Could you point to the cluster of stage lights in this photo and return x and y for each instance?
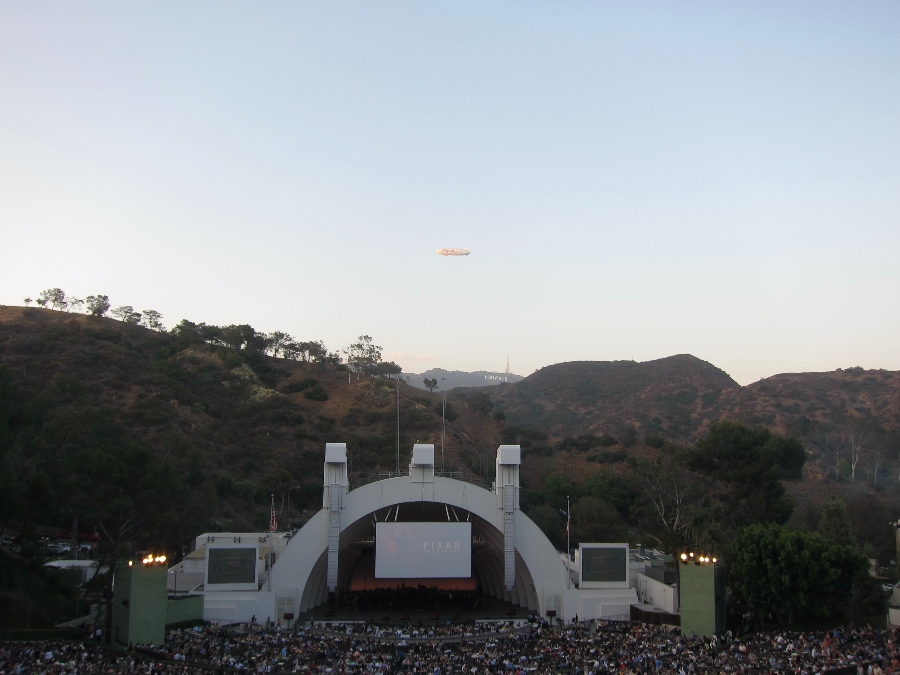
(697, 560)
(151, 560)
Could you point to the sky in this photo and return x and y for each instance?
(634, 180)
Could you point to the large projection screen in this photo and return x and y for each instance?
(423, 550)
(604, 565)
(231, 568)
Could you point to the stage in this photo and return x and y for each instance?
(427, 606)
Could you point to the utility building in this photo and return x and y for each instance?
(139, 601)
(701, 591)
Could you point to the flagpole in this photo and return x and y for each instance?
(568, 545)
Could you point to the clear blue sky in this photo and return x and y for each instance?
(634, 180)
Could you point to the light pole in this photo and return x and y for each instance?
(398, 426)
(443, 424)
(568, 544)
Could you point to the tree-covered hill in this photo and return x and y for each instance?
(229, 427)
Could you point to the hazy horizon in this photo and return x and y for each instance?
(633, 181)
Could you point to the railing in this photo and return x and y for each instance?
(358, 481)
(466, 477)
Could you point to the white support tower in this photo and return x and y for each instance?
(334, 492)
(421, 473)
(509, 457)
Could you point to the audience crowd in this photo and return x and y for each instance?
(446, 631)
(589, 647)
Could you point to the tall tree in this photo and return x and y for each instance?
(878, 457)
(54, 297)
(277, 341)
(127, 314)
(752, 461)
(108, 480)
(792, 575)
(152, 319)
(10, 404)
(363, 356)
(431, 384)
(595, 520)
(291, 350)
(672, 497)
(388, 369)
(316, 351)
(97, 305)
(856, 440)
(834, 523)
(243, 337)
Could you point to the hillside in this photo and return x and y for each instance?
(236, 429)
(812, 404)
(256, 424)
(669, 396)
(677, 398)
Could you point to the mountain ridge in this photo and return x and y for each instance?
(679, 397)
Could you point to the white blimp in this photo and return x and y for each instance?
(453, 251)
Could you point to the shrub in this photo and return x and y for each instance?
(581, 443)
(247, 490)
(296, 387)
(325, 424)
(316, 394)
(612, 456)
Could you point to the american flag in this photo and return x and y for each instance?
(273, 519)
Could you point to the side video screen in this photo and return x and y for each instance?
(423, 550)
(231, 566)
(604, 564)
